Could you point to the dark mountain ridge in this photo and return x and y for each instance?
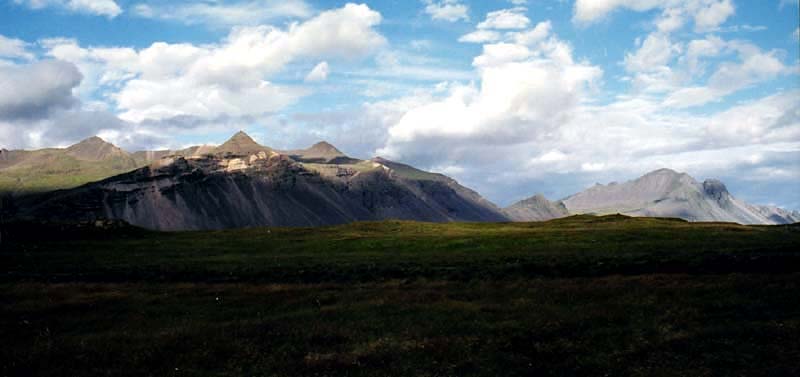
(242, 184)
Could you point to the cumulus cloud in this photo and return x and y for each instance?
(513, 18)
(34, 91)
(524, 90)
(225, 14)
(168, 80)
(108, 8)
(38, 107)
(318, 73)
(447, 10)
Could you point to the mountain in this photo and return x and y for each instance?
(94, 149)
(55, 168)
(243, 184)
(535, 208)
(24, 172)
(322, 152)
(666, 193)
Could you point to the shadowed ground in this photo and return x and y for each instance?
(576, 296)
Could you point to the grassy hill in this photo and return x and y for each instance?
(52, 170)
(577, 296)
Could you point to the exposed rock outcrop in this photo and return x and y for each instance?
(244, 184)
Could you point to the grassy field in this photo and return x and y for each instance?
(578, 296)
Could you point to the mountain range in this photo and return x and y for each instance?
(243, 184)
(661, 193)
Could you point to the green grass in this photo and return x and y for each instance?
(577, 296)
(49, 170)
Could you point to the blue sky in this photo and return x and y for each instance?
(509, 97)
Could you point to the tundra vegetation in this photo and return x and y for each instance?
(582, 295)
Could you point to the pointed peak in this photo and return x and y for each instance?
(94, 140)
(241, 135)
(94, 149)
(323, 144)
(325, 148)
(241, 144)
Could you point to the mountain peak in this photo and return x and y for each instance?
(663, 171)
(535, 208)
(94, 149)
(240, 143)
(664, 175)
(323, 148)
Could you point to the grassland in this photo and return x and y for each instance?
(52, 169)
(577, 296)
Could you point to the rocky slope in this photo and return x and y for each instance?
(244, 184)
(535, 208)
(666, 193)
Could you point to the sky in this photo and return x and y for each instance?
(511, 98)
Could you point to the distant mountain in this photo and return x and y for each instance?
(94, 149)
(321, 152)
(53, 168)
(92, 159)
(241, 144)
(536, 208)
(666, 193)
(242, 184)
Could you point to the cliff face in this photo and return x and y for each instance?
(250, 186)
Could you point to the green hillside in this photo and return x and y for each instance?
(48, 170)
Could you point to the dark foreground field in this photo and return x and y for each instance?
(578, 296)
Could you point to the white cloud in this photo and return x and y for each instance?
(319, 73)
(708, 15)
(480, 36)
(252, 12)
(525, 93)
(592, 10)
(655, 51)
(513, 18)
(532, 123)
(772, 119)
(14, 48)
(229, 78)
(108, 8)
(447, 10)
(699, 48)
(712, 14)
(754, 66)
(535, 35)
(796, 34)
